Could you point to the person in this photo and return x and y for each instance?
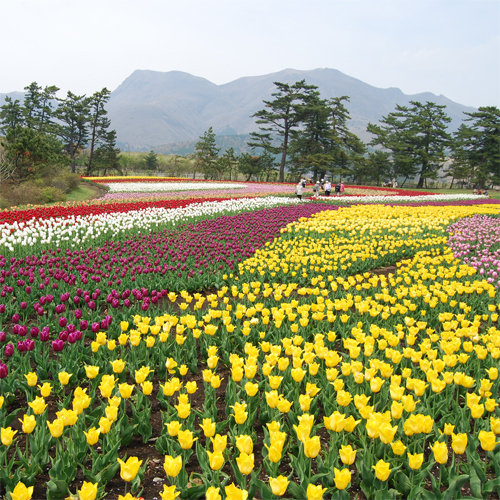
(337, 189)
(486, 192)
(316, 189)
(395, 185)
(328, 188)
(299, 190)
(304, 182)
(479, 191)
(342, 187)
(475, 191)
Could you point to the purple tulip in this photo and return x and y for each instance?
(34, 332)
(78, 334)
(2, 308)
(95, 327)
(15, 318)
(29, 344)
(57, 345)
(91, 304)
(28, 289)
(3, 336)
(4, 371)
(9, 350)
(84, 324)
(60, 308)
(72, 338)
(45, 334)
(63, 335)
(71, 328)
(21, 346)
(22, 331)
(78, 313)
(76, 300)
(62, 322)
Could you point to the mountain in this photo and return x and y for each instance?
(151, 109)
(169, 111)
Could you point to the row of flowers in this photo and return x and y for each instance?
(352, 375)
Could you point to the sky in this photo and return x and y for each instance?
(449, 47)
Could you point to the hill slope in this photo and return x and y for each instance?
(151, 109)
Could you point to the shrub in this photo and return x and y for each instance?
(52, 194)
(21, 194)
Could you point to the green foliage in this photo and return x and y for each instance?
(280, 117)
(476, 148)
(416, 137)
(207, 155)
(45, 131)
(151, 161)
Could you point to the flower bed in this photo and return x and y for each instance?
(328, 353)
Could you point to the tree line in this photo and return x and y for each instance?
(46, 132)
(300, 134)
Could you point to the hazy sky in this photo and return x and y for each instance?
(449, 47)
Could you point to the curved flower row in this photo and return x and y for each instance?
(76, 230)
(351, 374)
(138, 187)
(57, 211)
(427, 198)
(476, 241)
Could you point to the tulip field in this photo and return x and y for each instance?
(253, 345)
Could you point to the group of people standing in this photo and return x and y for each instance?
(326, 186)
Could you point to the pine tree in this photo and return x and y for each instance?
(207, 155)
(281, 115)
(416, 137)
(73, 116)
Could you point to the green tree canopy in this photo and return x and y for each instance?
(279, 118)
(417, 138)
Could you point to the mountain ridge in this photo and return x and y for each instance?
(152, 108)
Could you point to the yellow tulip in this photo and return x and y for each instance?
(172, 465)
(342, 478)
(92, 436)
(219, 442)
(274, 452)
(173, 428)
(147, 387)
(251, 389)
(487, 440)
(312, 446)
(186, 439)
(130, 468)
(38, 405)
(315, 492)
(208, 427)
(440, 451)
(245, 463)
(104, 425)
(347, 455)
(416, 460)
(64, 377)
(88, 491)
(213, 494)
(21, 492)
(191, 387)
(31, 378)
(244, 444)
(92, 371)
(118, 365)
(216, 460)
(169, 492)
(234, 493)
(382, 470)
(56, 427)
(398, 448)
(125, 390)
(459, 443)
(278, 485)
(28, 422)
(7, 435)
